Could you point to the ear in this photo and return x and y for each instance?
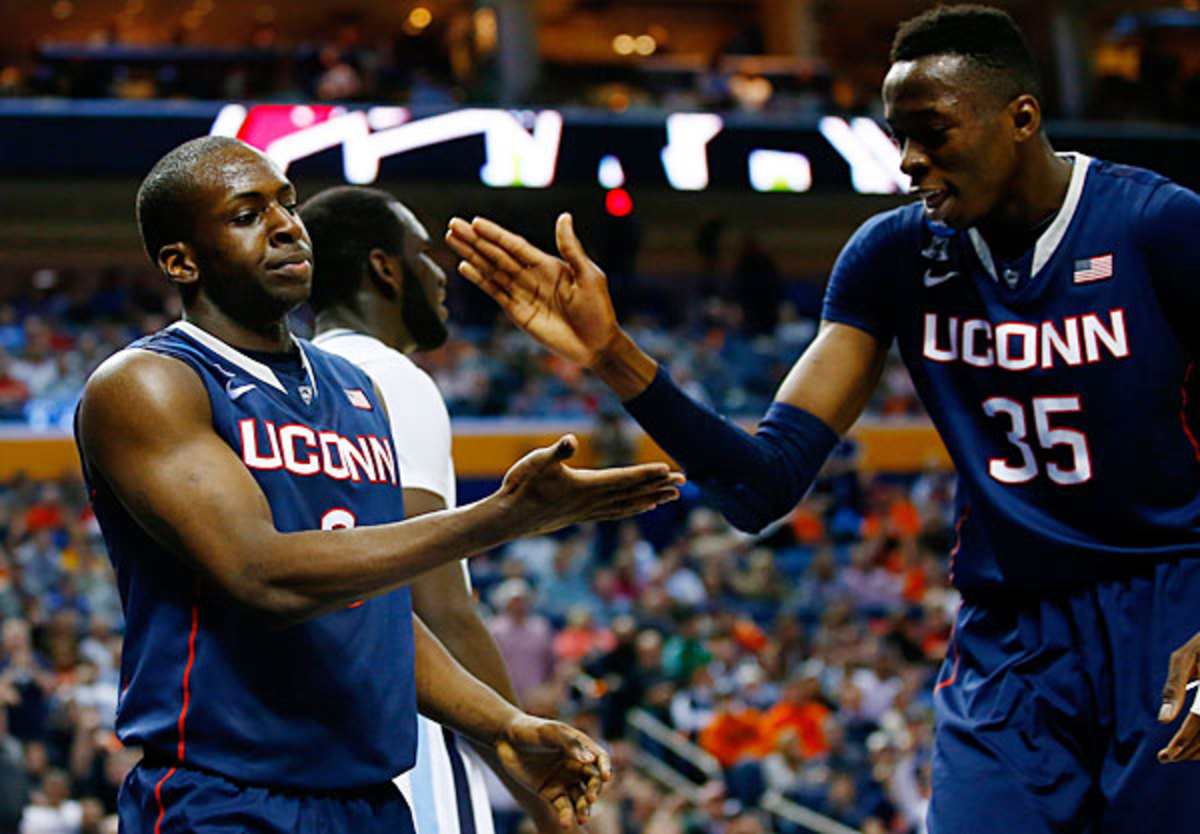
(1026, 116)
(178, 262)
(386, 272)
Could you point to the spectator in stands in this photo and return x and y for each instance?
(566, 586)
(735, 730)
(14, 392)
(14, 783)
(524, 637)
(579, 638)
(52, 810)
(800, 711)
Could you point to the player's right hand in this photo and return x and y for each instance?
(542, 494)
(562, 302)
(559, 764)
(1184, 667)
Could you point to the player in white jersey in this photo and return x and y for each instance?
(378, 295)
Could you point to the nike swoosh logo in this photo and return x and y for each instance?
(234, 393)
(934, 280)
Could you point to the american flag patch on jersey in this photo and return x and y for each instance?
(1093, 269)
(357, 398)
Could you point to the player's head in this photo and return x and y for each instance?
(219, 219)
(371, 251)
(963, 99)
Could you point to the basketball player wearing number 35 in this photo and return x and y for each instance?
(1045, 306)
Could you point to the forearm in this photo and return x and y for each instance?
(752, 479)
(300, 575)
(465, 636)
(450, 695)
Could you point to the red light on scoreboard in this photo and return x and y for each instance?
(618, 203)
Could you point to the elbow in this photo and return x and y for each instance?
(749, 510)
(271, 604)
(748, 521)
(254, 586)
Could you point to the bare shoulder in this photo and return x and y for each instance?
(136, 394)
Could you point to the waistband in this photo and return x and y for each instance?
(383, 791)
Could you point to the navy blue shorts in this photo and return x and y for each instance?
(173, 800)
(1047, 712)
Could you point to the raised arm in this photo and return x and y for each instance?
(146, 435)
(550, 759)
(563, 303)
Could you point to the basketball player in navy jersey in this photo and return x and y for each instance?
(377, 294)
(248, 491)
(1044, 306)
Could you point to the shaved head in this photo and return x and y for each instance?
(166, 197)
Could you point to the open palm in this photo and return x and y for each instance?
(562, 302)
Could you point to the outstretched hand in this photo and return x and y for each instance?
(562, 302)
(1184, 667)
(544, 494)
(558, 763)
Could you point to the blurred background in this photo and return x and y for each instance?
(716, 154)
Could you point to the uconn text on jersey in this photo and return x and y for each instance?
(1023, 346)
(302, 450)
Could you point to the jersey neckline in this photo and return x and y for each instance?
(258, 370)
(1049, 240)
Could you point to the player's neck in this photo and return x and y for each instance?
(272, 336)
(373, 320)
(1036, 198)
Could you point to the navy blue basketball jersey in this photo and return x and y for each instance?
(326, 704)
(1061, 382)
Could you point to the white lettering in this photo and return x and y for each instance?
(979, 360)
(1053, 343)
(1094, 333)
(356, 456)
(932, 351)
(1028, 334)
(385, 460)
(288, 435)
(1023, 346)
(250, 445)
(332, 440)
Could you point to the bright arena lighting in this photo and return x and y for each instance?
(624, 44)
(779, 171)
(685, 158)
(610, 174)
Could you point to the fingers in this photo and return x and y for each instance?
(1182, 668)
(568, 244)
(566, 447)
(500, 292)
(563, 449)
(565, 810)
(503, 259)
(612, 511)
(475, 265)
(1185, 745)
(512, 244)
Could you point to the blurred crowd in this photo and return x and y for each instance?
(60, 648)
(802, 661)
(55, 328)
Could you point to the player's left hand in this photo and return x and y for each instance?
(558, 763)
(1184, 667)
